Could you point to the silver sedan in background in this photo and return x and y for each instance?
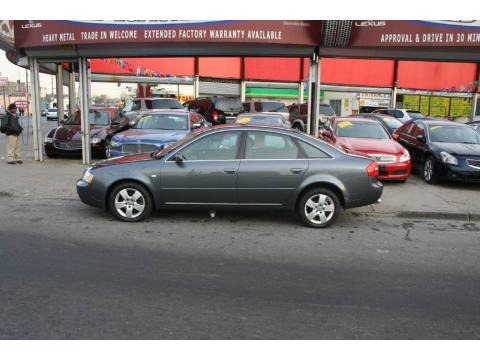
(234, 167)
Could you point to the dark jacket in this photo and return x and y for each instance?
(13, 126)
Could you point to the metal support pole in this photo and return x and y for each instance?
(60, 103)
(301, 90)
(316, 104)
(196, 86)
(36, 113)
(474, 106)
(311, 78)
(83, 95)
(27, 91)
(72, 99)
(243, 90)
(393, 100)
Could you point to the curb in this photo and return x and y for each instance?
(468, 217)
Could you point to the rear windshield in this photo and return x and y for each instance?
(229, 105)
(368, 130)
(163, 104)
(326, 110)
(272, 106)
(260, 120)
(414, 114)
(99, 117)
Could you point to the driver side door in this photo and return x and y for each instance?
(207, 173)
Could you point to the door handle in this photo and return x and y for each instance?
(229, 171)
(296, 170)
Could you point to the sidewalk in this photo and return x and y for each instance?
(56, 178)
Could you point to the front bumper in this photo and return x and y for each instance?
(394, 171)
(88, 195)
(465, 174)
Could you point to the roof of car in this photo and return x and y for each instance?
(156, 111)
(438, 122)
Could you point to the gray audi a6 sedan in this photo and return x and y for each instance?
(236, 166)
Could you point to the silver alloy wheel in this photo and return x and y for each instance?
(319, 208)
(129, 203)
(428, 170)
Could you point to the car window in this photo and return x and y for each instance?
(357, 129)
(229, 105)
(311, 151)
(135, 105)
(163, 122)
(327, 110)
(163, 104)
(271, 106)
(259, 120)
(407, 129)
(219, 146)
(391, 122)
(263, 145)
(453, 134)
(99, 117)
(418, 130)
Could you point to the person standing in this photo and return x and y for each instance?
(13, 131)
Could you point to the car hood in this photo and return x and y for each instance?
(124, 160)
(371, 146)
(157, 136)
(72, 132)
(458, 148)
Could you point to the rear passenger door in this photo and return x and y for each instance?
(271, 170)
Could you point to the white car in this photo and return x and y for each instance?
(52, 114)
(401, 114)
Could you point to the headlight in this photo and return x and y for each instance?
(48, 139)
(115, 144)
(405, 156)
(87, 176)
(448, 158)
(95, 140)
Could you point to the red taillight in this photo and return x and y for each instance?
(215, 115)
(372, 169)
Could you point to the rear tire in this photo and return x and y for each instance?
(319, 207)
(130, 202)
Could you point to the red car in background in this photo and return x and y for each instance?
(371, 138)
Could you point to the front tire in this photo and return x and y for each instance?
(319, 207)
(429, 171)
(130, 202)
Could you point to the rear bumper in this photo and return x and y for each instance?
(372, 195)
(395, 171)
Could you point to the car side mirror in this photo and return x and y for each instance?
(131, 123)
(395, 137)
(326, 133)
(196, 126)
(178, 158)
(421, 138)
(62, 121)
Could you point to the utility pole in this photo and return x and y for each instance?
(27, 92)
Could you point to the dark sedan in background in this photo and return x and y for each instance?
(236, 166)
(442, 149)
(66, 139)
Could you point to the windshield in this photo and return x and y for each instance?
(453, 134)
(391, 122)
(260, 120)
(361, 130)
(95, 117)
(163, 104)
(273, 106)
(326, 110)
(415, 114)
(163, 122)
(229, 105)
